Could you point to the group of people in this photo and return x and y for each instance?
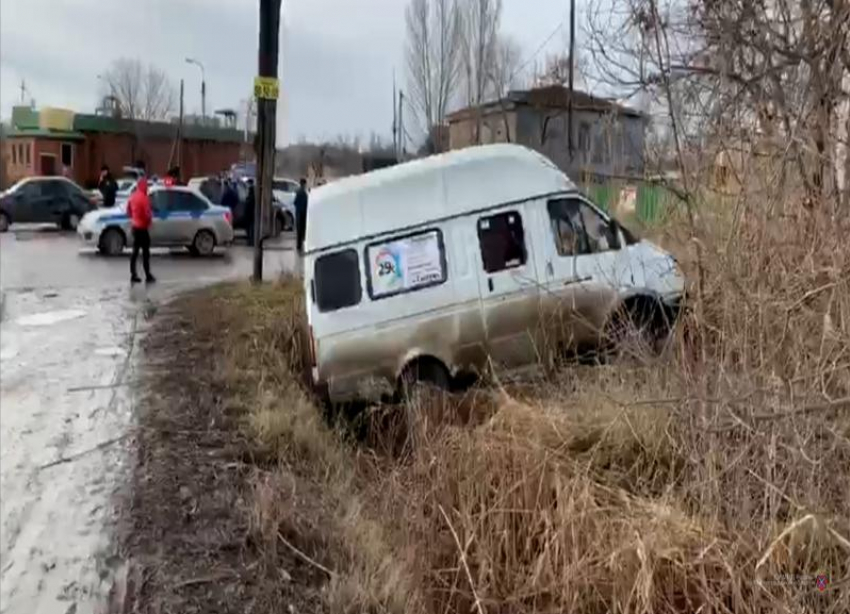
(230, 199)
(141, 214)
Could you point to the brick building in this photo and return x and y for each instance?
(61, 142)
(608, 138)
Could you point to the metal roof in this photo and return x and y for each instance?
(437, 187)
(59, 135)
(554, 96)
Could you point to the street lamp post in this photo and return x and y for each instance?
(112, 97)
(203, 87)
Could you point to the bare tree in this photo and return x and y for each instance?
(504, 75)
(481, 20)
(433, 54)
(556, 70)
(776, 71)
(504, 72)
(142, 92)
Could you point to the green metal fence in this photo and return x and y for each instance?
(653, 202)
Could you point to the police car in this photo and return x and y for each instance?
(182, 217)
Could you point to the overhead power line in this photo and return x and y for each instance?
(540, 48)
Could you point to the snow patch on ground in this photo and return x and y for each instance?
(48, 318)
(63, 455)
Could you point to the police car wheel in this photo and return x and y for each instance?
(204, 243)
(111, 242)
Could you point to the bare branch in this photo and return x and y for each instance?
(142, 92)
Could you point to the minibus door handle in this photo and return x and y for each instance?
(490, 283)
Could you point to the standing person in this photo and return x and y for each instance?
(141, 216)
(250, 204)
(172, 177)
(107, 186)
(230, 197)
(301, 215)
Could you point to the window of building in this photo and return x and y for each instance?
(502, 241)
(67, 154)
(14, 153)
(584, 137)
(29, 153)
(406, 264)
(337, 281)
(600, 148)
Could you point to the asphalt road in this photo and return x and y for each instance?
(69, 334)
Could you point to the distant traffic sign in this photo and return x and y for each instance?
(266, 88)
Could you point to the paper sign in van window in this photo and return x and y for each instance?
(406, 264)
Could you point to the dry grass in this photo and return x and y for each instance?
(714, 480)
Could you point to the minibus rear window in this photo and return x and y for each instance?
(337, 278)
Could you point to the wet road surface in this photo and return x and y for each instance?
(70, 328)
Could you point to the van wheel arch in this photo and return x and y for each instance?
(423, 369)
(644, 314)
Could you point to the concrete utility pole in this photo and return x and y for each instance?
(395, 121)
(572, 70)
(203, 88)
(266, 91)
(401, 142)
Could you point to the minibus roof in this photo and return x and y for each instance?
(433, 188)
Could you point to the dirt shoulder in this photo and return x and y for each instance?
(191, 536)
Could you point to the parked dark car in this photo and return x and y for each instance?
(45, 200)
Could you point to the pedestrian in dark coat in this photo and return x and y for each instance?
(230, 197)
(107, 186)
(250, 204)
(301, 199)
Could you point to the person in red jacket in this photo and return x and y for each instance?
(141, 217)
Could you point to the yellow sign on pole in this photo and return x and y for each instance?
(266, 88)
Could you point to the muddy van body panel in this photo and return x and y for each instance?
(366, 363)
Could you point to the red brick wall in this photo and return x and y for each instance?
(119, 150)
(16, 165)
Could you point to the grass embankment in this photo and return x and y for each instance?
(714, 480)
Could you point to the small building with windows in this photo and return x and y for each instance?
(53, 141)
(608, 138)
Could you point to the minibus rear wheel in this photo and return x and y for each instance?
(425, 372)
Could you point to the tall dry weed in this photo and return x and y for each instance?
(715, 480)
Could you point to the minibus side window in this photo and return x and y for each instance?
(578, 229)
(568, 227)
(337, 279)
(502, 241)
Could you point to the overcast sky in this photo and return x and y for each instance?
(336, 70)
